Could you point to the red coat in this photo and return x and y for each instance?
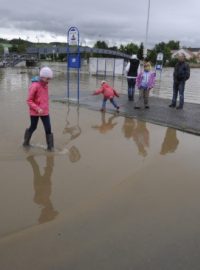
(107, 91)
(38, 98)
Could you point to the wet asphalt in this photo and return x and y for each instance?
(186, 119)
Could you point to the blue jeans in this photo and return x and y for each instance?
(45, 120)
(131, 87)
(178, 88)
(111, 101)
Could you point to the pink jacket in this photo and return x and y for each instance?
(151, 80)
(38, 98)
(107, 91)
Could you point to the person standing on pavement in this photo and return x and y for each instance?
(145, 81)
(181, 75)
(132, 70)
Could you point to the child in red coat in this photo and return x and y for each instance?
(108, 93)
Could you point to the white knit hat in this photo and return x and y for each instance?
(46, 72)
(134, 56)
(102, 82)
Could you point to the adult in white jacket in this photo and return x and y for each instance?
(132, 70)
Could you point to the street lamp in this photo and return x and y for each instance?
(147, 31)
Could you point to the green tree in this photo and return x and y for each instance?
(113, 48)
(140, 51)
(21, 48)
(152, 54)
(161, 47)
(172, 62)
(130, 48)
(173, 45)
(122, 48)
(1, 49)
(101, 45)
(14, 49)
(2, 40)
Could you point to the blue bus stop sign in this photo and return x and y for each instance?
(74, 61)
(158, 67)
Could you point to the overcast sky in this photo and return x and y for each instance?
(116, 22)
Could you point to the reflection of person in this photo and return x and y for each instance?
(128, 127)
(141, 137)
(145, 82)
(132, 70)
(170, 142)
(42, 188)
(108, 94)
(105, 125)
(73, 131)
(38, 102)
(181, 75)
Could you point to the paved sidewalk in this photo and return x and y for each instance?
(187, 120)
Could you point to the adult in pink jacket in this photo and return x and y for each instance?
(38, 102)
(108, 93)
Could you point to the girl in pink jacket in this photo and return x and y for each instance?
(38, 102)
(108, 93)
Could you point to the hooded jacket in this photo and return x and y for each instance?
(38, 98)
(107, 91)
(150, 82)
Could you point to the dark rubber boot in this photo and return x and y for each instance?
(50, 142)
(131, 98)
(27, 137)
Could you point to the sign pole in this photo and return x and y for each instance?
(147, 31)
(73, 57)
(78, 78)
(68, 79)
(159, 62)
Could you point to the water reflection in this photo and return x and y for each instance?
(43, 188)
(128, 127)
(73, 131)
(138, 131)
(170, 142)
(106, 124)
(141, 138)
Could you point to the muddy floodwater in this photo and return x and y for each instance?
(116, 194)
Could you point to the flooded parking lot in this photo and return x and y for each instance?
(117, 193)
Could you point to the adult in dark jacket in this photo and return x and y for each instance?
(181, 75)
(132, 70)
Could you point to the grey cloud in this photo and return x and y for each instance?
(106, 20)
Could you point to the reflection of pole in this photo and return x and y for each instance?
(53, 55)
(147, 31)
(114, 67)
(78, 79)
(68, 73)
(68, 65)
(74, 61)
